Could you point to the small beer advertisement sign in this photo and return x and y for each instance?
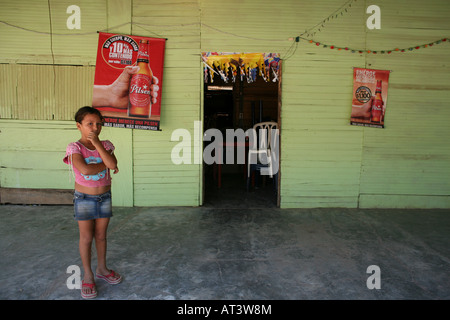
(370, 88)
(128, 80)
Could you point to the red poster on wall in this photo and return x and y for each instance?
(370, 89)
(128, 80)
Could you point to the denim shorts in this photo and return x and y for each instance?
(89, 207)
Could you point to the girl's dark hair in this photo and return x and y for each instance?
(82, 112)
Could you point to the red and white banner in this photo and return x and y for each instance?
(370, 89)
(129, 66)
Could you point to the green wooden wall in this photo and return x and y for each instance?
(47, 72)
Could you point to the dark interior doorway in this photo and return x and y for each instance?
(235, 105)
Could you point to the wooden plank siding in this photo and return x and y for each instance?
(408, 163)
(157, 180)
(47, 73)
(44, 92)
(31, 154)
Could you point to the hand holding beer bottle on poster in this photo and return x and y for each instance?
(127, 81)
(369, 97)
(116, 95)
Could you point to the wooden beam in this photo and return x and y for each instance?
(35, 196)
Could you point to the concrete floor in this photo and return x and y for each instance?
(187, 253)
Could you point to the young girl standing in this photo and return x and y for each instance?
(91, 161)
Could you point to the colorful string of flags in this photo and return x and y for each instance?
(311, 32)
(321, 25)
(417, 47)
(229, 65)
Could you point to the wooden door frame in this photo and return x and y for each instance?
(280, 64)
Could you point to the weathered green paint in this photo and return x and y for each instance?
(325, 162)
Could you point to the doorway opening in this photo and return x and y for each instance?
(239, 101)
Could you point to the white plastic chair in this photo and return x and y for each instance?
(263, 145)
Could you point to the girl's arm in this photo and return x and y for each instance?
(84, 168)
(109, 159)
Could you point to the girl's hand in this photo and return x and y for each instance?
(93, 138)
(115, 170)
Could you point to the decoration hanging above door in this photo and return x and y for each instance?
(228, 66)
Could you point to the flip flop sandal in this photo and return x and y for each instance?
(91, 286)
(111, 278)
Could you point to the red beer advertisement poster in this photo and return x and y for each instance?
(128, 80)
(370, 89)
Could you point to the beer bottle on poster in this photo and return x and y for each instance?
(139, 101)
(377, 104)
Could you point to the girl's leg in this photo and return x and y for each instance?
(86, 235)
(101, 227)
